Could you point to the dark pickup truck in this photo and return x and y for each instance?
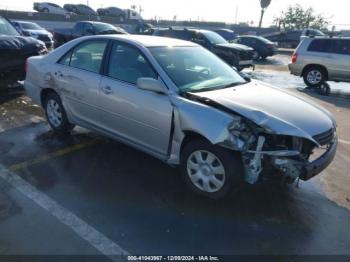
(84, 28)
(14, 50)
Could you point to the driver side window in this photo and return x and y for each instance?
(128, 64)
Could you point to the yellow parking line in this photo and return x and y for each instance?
(51, 155)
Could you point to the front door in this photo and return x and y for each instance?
(139, 116)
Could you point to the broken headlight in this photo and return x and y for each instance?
(240, 135)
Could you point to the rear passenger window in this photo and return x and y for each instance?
(88, 56)
(320, 45)
(342, 47)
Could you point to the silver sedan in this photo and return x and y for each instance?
(180, 103)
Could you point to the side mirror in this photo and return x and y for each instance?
(150, 84)
(245, 76)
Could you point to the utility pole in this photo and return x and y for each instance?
(236, 16)
(264, 4)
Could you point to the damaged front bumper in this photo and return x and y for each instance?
(317, 166)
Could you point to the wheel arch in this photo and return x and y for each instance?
(44, 93)
(189, 136)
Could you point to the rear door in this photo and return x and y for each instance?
(77, 76)
(319, 52)
(341, 57)
(138, 116)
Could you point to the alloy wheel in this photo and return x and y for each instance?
(314, 77)
(206, 171)
(54, 113)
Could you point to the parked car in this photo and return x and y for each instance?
(237, 55)
(35, 31)
(263, 47)
(228, 34)
(83, 28)
(178, 102)
(122, 14)
(46, 7)
(14, 50)
(322, 59)
(288, 39)
(310, 32)
(113, 12)
(80, 9)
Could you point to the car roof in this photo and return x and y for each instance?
(149, 41)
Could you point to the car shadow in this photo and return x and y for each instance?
(336, 101)
(124, 192)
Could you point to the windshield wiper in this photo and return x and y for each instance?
(189, 90)
(233, 85)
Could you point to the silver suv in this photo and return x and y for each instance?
(319, 60)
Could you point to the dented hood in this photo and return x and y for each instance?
(273, 109)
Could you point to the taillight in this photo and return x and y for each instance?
(26, 66)
(294, 58)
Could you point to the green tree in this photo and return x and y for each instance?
(263, 4)
(296, 17)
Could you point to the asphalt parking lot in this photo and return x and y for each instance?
(96, 196)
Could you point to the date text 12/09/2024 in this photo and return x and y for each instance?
(173, 258)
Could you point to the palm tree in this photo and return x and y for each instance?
(264, 4)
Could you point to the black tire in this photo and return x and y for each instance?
(319, 73)
(324, 89)
(64, 127)
(256, 55)
(231, 162)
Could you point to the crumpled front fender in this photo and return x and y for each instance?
(199, 118)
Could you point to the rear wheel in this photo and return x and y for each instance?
(314, 76)
(256, 55)
(210, 170)
(56, 115)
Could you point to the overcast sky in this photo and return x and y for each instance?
(208, 10)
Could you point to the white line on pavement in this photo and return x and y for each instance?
(103, 244)
(344, 141)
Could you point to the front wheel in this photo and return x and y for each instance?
(56, 115)
(210, 170)
(256, 55)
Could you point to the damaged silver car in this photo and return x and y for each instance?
(180, 103)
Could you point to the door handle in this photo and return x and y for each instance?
(107, 90)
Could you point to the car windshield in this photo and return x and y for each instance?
(6, 28)
(195, 69)
(104, 28)
(31, 26)
(54, 5)
(318, 32)
(214, 38)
